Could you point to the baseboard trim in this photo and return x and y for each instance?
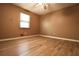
(19, 37)
(67, 39)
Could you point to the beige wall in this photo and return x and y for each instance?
(0, 20)
(63, 23)
(9, 22)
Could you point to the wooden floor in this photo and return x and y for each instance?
(39, 46)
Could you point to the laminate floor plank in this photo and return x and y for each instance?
(39, 46)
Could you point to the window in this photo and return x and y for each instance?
(24, 20)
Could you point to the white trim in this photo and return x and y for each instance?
(74, 40)
(19, 37)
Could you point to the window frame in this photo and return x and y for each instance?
(25, 21)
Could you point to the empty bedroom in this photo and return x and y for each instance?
(39, 29)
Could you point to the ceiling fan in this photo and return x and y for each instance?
(44, 5)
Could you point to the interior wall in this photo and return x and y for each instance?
(0, 21)
(63, 23)
(9, 22)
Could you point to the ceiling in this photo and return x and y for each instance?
(39, 9)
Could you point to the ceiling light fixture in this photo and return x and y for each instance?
(44, 5)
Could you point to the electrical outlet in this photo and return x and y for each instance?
(21, 34)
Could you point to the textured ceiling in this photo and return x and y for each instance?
(38, 9)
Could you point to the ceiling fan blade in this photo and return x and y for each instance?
(36, 5)
(42, 5)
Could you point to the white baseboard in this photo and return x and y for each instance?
(74, 40)
(19, 37)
